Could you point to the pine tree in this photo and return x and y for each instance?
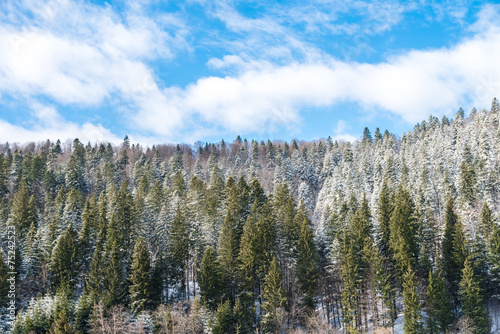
(82, 314)
(209, 280)
(64, 261)
(306, 267)
(62, 325)
(75, 169)
(274, 297)
(4, 284)
(411, 300)
(403, 231)
(114, 285)
(223, 323)
(473, 304)
(179, 245)
(439, 311)
(452, 250)
(140, 278)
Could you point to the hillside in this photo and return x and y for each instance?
(235, 236)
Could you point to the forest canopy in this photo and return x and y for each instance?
(282, 237)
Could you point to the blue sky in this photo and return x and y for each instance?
(183, 71)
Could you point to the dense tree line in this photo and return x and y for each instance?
(275, 236)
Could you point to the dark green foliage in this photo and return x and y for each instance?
(64, 261)
(403, 232)
(439, 308)
(223, 323)
(209, 280)
(472, 299)
(75, 170)
(108, 226)
(114, 283)
(452, 250)
(274, 297)
(62, 325)
(82, 314)
(140, 278)
(411, 300)
(307, 260)
(179, 245)
(24, 211)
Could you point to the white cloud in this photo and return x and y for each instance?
(83, 54)
(52, 126)
(412, 85)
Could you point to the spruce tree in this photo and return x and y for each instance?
(64, 260)
(472, 300)
(62, 325)
(223, 323)
(411, 300)
(452, 250)
(23, 212)
(403, 231)
(274, 297)
(306, 267)
(209, 279)
(75, 169)
(179, 246)
(227, 259)
(4, 284)
(439, 310)
(114, 285)
(493, 257)
(82, 314)
(140, 278)
(385, 208)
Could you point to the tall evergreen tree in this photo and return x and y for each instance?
(306, 267)
(473, 304)
(64, 261)
(274, 296)
(209, 279)
(439, 311)
(452, 250)
(140, 278)
(411, 300)
(114, 285)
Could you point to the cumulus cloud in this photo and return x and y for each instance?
(411, 85)
(50, 125)
(86, 55)
(81, 54)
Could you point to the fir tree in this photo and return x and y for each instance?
(473, 304)
(82, 313)
(452, 248)
(209, 280)
(114, 285)
(62, 325)
(439, 309)
(64, 261)
(403, 231)
(411, 300)
(223, 323)
(140, 278)
(306, 268)
(274, 297)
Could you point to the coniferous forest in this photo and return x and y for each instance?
(383, 234)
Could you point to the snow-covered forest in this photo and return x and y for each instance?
(382, 234)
